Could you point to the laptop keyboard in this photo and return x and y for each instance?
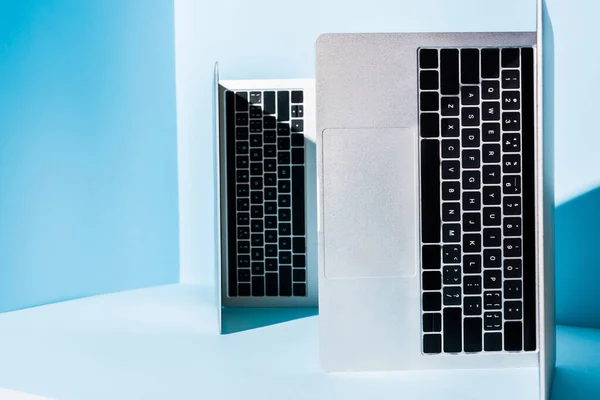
(477, 179)
(265, 193)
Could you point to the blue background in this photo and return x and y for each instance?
(88, 151)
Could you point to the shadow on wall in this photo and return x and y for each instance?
(577, 226)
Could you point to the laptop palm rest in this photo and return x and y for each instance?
(369, 202)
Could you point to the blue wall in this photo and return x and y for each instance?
(88, 152)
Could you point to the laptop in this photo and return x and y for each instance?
(266, 194)
(435, 241)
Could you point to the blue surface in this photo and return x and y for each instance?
(88, 156)
(162, 343)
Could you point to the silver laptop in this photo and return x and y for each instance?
(266, 193)
(435, 240)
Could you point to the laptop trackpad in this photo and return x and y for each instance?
(369, 202)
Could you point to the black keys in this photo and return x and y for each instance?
(450, 106)
(511, 163)
(510, 58)
(472, 305)
(491, 195)
(513, 310)
(451, 254)
(451, 233)
(491, 173)
(513, 289)
(472, 243)
(430, 191)
(492, 279)
(511, 142)
(492, 342)
(244, 275)
(241, 101)
(492, 321)
(490, 111)
(299, 261)
(430, 101)
(297, 96)
(269, 123)
(452, 276)
(469, 63)
(432, 301)
(492, 300)
(431, 280)
(470, 137)
(297, 111)
(285, 280)
(490, 90)
(299, 274)
(471, 222)
(492, 237)
(297, 125)
(510, 79)
(451, 296)
(451, 169)
(269, 102)
(492, 258)
(271, 284)
(432, 322)
(471, 180)
(428, 58)
(513, 336)
(491, 154)
(482, 102)
(243, 232)
(241, 119)
(450, 190)
(430, 125)
(471, 201)
(490, 63)
(298, 217)
(299, 245)
(452, 319)
(255, 112)
(512, 226)
(470, 116)
(451, 127)
(513, 268)
(449, 71)
(511, 184)
(469, 95)
(255, 97)
(471, 159)
(299, 289)
(297, 139)
(511, 100)
(450, 148)
(472, 334)
(472, 284)
(429, 80)
(451, 212)
(283, 105)
(511, 205)
(431, 257)
(472, 263)
(490, 132)
(432, 343)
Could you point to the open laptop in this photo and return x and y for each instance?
(266, 193)
(435, 241)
